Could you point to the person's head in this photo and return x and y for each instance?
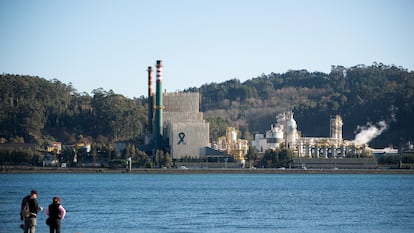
(56, 200)
(33, 193)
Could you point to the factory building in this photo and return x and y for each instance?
(187, 133)
(230, 144)
(177, 125)
(285, 132)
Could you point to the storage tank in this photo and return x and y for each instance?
(278, 133)
(291, 129)
(274, 136)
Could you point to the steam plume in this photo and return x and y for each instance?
(369, 132)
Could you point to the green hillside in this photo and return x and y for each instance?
(33, 109)
(360, 94)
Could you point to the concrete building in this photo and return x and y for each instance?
(175, 124)
(185, 129)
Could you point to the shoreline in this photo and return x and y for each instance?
(45, 170)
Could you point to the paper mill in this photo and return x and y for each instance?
(175, 124)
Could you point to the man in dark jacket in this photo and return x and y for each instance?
(30, 220)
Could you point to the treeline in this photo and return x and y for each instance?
(36, 110)
(360, 94)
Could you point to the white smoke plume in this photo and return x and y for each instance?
(369, 132)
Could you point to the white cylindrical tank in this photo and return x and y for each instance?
(300, 149)
(333, 151)
(316, 151)
(277, 133)
(343, 151)
(325, 152)
(291, 134)
(308, 151)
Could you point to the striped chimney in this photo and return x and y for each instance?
(150, 101)
(158, 136)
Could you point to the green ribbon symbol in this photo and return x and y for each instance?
(181, 136)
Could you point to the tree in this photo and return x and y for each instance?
(251, 155)
(285, 158)
(130, 152)
(143, 160)
(163, 159)
(218, 127)
(116, 116)
(277, 158)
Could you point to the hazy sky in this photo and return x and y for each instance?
(110, 44)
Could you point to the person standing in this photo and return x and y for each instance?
(56, 213)
(28, 213)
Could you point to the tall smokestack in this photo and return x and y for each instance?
(158, 109)
(150, 101)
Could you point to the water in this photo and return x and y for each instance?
(215, 203)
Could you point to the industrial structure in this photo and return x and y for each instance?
(185, 130)
(158, 131)
(232, 145)
(285, 132)
(177, 125)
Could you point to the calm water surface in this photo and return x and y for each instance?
(215, 203)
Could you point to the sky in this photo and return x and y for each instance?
(109, 44)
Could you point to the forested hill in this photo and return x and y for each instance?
(361, 95)
(33, 109)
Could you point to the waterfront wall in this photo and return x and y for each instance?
(51, 170)
(331, 163)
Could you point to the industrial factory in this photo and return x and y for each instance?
(285, 132)
(177, 126)
(314, 152)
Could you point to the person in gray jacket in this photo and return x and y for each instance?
(28, 213)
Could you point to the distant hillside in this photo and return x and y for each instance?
(33, 109)
(361, 95)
